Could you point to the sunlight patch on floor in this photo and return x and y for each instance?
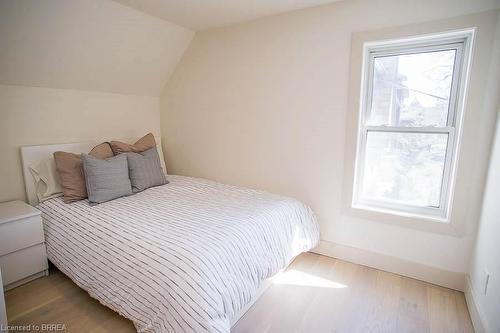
(298, 278)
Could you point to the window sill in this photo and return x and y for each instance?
(425, 223)
(398, 213)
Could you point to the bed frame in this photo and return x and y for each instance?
(33, 154)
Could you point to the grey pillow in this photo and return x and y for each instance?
(145, 170)
(106, 179)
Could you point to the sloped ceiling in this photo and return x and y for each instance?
(96, 45)
(205, 14)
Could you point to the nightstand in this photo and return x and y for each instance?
(22, 244)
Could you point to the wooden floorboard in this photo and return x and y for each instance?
(315, 294)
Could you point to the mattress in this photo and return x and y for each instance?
(182, 257)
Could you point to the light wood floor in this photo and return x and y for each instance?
(316, 294)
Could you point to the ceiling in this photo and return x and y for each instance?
(204, 14)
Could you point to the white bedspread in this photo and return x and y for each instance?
(183, 257)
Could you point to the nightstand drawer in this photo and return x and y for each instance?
(20, 234)
(23, 263)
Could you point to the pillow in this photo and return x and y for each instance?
(145, 170)
(46, 182)
(106, 179)
(70, 170)
(143, 144)
(102, 151)
(162, 161)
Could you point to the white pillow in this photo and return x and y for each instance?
(160, 153)
(46, 180)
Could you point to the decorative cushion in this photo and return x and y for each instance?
(102, 151)
(145, 170)
(143, 144)
(70, 171)
(106, 179)
(46, 180)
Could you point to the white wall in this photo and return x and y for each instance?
(96, 45)
(264, 104)
(31, 116)
(487, 249)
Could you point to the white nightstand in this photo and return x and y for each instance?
(22, 244)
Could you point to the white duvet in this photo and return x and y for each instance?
(182, 257)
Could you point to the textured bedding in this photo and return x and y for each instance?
(182, 257)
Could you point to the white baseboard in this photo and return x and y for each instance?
(434, 275)
(480, 325)
(26, 280)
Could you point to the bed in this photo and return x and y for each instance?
(189, 256)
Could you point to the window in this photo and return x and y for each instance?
(412, 98)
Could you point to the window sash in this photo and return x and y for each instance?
(438, 213)
(401, 50)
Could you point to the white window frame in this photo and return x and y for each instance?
(461, 41)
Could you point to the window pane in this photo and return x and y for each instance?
(412, 89)
(404, 167)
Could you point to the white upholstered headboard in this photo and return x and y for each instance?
(33, 154)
